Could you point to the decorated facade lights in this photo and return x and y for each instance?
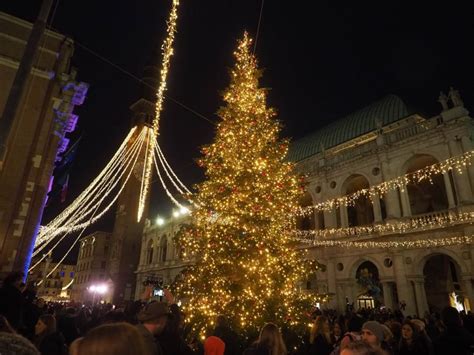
(369, 244)
(457, 163)
(421, 223)
(167, 49)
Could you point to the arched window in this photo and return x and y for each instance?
(361, 212)
(426, 196)
(149, 252)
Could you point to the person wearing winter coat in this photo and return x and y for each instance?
(47, 339)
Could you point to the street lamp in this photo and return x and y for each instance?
(160, 221)
(100, 289)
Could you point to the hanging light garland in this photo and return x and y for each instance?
(457, 163)
(417, 224)
(94, 195)
(367, 244)
(130, 165)
(177, 183)
(168, 193)
(167, 53)
(87, 192)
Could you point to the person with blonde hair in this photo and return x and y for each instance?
(270, 342)
(112, 338)
(320, 337)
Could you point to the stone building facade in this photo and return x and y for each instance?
(56, 287)
(378, 143)
(37, 137)
(161, 260)
(92, 268)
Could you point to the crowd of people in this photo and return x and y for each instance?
(29, 325)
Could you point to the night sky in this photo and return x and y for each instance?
(320, 64)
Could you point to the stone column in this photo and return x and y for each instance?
(449, 190)
(348, 293)
(331, 279)
(467, 285)
(387, 294)
(377, 208)
(344, 217)
(406, 209)
(330, 218)
(467, 147)
(403, 286)
(420, 295)
(340, 297)
(461, 180)
(392, 204)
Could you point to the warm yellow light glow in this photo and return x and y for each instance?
(457, 164)
(246, 265)
(415, 224)
(167, 53)
(419, 243)
(85, 210)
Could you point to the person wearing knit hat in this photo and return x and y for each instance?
(373, 334)
(214, 346)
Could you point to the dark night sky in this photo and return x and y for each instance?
(320, 63)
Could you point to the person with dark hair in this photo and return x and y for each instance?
(171, 338)
(67, 325)
(411, 342)
(337, 332)
(11, 299)
(455, 339)
(47, 339)
(354, 326)
(5, 326)
(112, 338)
(227, 335)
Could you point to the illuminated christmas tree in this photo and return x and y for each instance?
(246, 266)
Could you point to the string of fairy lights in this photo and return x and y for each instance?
(87, 196)
(84, 210)
(167, 53)
(418, 224)
(457, 164)
(411, 243)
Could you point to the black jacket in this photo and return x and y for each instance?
(230, 338)
(455, 341)
(53, 344)
(11, 305)
(320, 346)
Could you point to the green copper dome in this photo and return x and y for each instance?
(385, 111)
